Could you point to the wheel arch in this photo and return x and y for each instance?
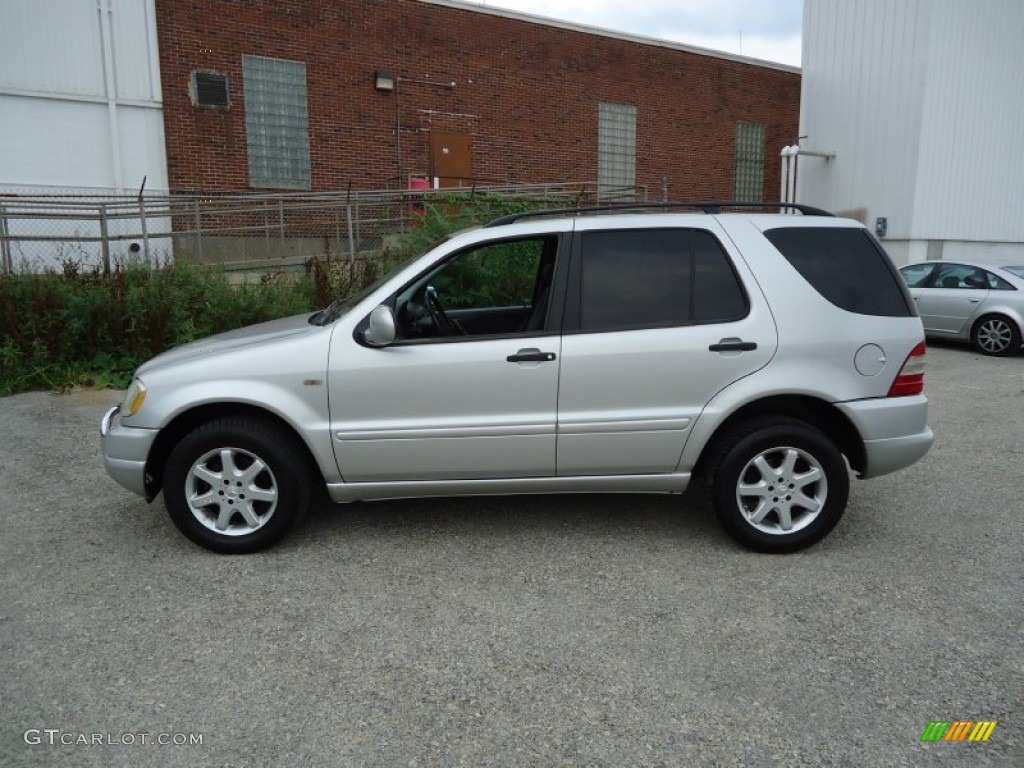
(811, 410)
(186, 421)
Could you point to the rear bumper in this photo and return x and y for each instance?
(125, 450)
(894, 429)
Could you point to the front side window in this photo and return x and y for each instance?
(655, 278)
(497, 288)
(960, 277)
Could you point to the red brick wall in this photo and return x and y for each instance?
(527, 93)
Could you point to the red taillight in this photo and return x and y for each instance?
(910, 379)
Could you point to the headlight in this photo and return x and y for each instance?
(133, 398)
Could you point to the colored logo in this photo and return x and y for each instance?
(958, 730)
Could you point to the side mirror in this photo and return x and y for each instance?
(381, 330)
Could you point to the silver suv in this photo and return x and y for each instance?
(571, 351)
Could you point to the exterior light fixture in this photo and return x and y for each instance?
(383, 81)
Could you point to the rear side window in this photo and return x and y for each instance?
(846, 267)
(656, 278)
(996, 283)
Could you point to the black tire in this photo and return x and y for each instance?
(771, 438)
(996, 335)
(286, 475)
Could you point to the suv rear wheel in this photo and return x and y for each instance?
(778, 484)
(237, 484)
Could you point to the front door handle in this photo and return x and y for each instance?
(733, 345)
(531, 355)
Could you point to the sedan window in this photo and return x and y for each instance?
(960, 276)
(917, 275)
(996, 283)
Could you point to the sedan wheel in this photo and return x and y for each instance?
(237, 484)
(996, 336)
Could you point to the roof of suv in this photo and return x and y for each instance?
(711, 207)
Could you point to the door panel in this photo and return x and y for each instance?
(948, 310)
(433, 411)
(953, 298)
(627, 398)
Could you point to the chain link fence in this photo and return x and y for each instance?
(247, 232)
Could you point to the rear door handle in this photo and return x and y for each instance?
(531, 355)
(733, 345)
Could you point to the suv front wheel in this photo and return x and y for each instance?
(778, 484)
(237, 484)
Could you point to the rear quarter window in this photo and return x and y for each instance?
(846, 267)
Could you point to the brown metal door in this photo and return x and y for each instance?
(451, 158)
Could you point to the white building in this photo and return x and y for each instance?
(922, 104)
(80, 107)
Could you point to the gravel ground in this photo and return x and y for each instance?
(597, 631)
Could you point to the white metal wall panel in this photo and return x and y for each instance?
(51, 46)
(63, 129)
(143, 151)
(970, 179)
(66, 145)
(922, 101)
(135, 52)
(863, 70)
(48, 142)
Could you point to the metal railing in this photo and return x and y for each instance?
(251, 231)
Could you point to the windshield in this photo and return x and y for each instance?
(1018, 271)
(341, 305)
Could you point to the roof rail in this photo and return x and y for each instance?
(705, 206)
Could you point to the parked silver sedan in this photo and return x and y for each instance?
(967, 301)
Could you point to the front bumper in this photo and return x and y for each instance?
(894, 429)
(125, 450)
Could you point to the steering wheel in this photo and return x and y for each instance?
(445, 326)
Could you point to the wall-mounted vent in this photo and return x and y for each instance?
(209, 89)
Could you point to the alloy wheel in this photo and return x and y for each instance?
(781, 490)
(231, 491)
(994, 336)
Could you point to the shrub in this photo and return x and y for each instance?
(67, 327)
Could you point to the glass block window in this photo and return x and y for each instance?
(276, 122)
(616, 148)
(749, 186)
